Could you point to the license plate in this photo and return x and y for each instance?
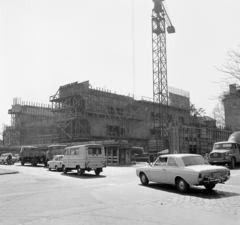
(216, 175)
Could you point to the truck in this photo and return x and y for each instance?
(33, 155)
(226, 152)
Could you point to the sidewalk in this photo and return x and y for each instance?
(7, 171)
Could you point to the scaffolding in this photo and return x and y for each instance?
(28, 121)
(81, 113)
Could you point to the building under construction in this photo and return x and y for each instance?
(80, 113)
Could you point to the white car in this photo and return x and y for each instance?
(55, 163)
(183, 170)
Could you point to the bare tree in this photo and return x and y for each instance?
(218, 114)
(230, 71)
(195, 113)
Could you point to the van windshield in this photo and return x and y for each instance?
(224, 146)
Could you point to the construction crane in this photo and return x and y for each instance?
(160, 20)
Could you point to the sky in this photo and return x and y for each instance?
(48, 43)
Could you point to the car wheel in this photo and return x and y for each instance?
(97, 171)
(233, 163)
(56, 168)
(182, 185)
(209, 186)
(144, 179)
(49, 168)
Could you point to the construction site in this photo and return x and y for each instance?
(78, 113)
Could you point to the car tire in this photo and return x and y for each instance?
(56, 168)
(182, 185)
(233, 163)
(49, 168)
(209, 187)
(97, 171)
(144, 179)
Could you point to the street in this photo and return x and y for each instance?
(38, 196)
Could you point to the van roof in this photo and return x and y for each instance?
(225, 142)
(86, 145)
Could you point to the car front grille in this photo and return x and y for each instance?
(215, 155)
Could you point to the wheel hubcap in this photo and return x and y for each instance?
(181, 184)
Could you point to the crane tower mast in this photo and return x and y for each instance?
(160, 20)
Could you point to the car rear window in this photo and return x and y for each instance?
(193, 160)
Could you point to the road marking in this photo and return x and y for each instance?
(37, 192)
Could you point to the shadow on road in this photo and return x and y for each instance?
(194, 191)
(29, 165)
(84, 176)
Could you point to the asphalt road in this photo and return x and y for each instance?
(38, 196)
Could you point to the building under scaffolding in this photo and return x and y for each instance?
(31, 123)
(79, 113)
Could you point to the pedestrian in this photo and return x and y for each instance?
(151, 159)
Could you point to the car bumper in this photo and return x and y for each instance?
(213, 181)
(224, 162)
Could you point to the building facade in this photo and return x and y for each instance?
(79, 113)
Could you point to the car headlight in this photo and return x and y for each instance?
(202, 177)
(226, 156)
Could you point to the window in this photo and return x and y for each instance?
(74, 151)
(94, 151)
(172, 162)
(161, 162)
(181, 119)
(193, 160)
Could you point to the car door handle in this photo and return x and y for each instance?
(164, 169)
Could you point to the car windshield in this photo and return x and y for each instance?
(194, 160)
(223, 146)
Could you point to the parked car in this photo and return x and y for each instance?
(55, 163)
(4, 157)
(183, 170)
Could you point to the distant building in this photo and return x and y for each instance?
(231, 103)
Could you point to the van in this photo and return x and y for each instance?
(84, 158)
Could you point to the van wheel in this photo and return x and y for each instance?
(97, 171)
(65, 170)
(80, 171)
